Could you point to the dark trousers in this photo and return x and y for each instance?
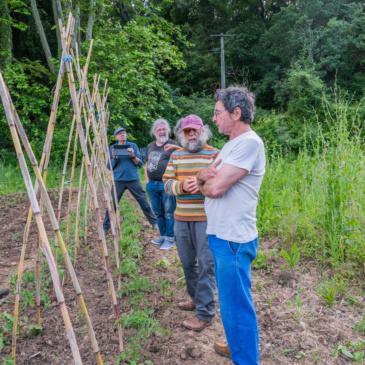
(198, 264)
(136, 189)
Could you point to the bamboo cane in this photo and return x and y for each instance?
(47, 145)
(101, 175)
(70, 191)
(93, 193)
(45, 170)
(63, 178)
(110, 210)
(56, 229)
(77, 238)
(40, 225)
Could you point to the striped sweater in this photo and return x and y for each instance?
(181, 165)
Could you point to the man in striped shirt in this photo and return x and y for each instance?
(191, 220)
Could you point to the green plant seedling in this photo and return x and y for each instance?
(164, 262)
(328, 294)
(259, 288)
(286, 352)
(260, 260)
(343, 350)
(34, 330)
(293, 258)
(360, 327)
(268, 301)
(9, 361)
(352, 300)
(300, 356)
(297, 302)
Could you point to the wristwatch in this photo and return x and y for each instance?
(133, 157)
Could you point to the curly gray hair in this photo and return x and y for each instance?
(158, 122)
(238, 97)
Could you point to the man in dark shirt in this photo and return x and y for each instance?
(126, 176)
(157, 156)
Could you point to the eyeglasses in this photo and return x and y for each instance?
(217, 112)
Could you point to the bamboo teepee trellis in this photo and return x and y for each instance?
(86, 104)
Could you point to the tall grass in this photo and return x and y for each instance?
(317, 200)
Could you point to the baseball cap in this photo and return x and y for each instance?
(118, 130)
(191, 121)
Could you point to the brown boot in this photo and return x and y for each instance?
(189, 305)
(222, 349)
(196, 324)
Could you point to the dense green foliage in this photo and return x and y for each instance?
(160, 61)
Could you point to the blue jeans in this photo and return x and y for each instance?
(163, 205)
(232, 262)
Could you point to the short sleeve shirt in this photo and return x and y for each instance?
(157, 159)
(232, 217)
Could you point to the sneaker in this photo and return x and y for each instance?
(158, 241)
(167, 245)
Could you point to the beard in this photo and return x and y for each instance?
(192, 147)
(161, 139)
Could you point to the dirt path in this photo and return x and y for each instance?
(294, 322)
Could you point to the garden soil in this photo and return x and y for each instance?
(295, 325)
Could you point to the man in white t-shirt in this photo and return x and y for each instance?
(231, 187)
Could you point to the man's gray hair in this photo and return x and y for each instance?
(240, 97)
(158, 122)
(204, 136)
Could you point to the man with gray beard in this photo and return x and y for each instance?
(163, 205)
(191, 220)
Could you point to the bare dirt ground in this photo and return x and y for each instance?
(295, 325)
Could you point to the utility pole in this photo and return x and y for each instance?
(223, 69)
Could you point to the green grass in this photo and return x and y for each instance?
(11, 179)
(317, 199)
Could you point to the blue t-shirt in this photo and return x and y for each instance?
(123, 167)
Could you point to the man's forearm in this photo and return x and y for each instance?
(208, 190)
(202, 177)
(136, 160)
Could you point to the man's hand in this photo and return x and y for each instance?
(209, 173)
(171, 147)
(115, 157)
(131, 151)
(190, 185)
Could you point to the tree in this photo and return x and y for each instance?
(42, 35)
(6, 42)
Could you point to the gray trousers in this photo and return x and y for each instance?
(198, 264)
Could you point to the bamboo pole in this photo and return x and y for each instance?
(77, 238)
(57, 232)
(70, 191)
(46, 247)
(46, 148)
(94, 195)
(45, 170)
(63, 179)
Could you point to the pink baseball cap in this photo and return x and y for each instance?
(191, 121)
